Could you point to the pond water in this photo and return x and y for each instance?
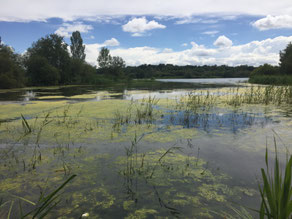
(175, 148)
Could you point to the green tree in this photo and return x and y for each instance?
(116, 69)
(265, 69)
(117, 62)
(77, 47)
(11, 72)
(82, 72)
(286, 60)
(110, 66)
(104, 58)
(54, 49)
(40, 72)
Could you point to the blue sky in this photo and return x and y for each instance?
(176, 32)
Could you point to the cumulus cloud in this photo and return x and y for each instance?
(138, 26)
(112, 42)
(36, 10)
(222, 41)
(253, 53)
(201, 50)
(66, 29)
(273, 22)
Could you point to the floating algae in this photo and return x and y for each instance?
(160, 175)
(142, 213)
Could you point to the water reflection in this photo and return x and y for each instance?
(157, 88)
(217, 122)
(163, 94)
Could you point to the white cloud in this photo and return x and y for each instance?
(211, 32)
(222, 41)
(92, 51)
(229, 17)
(253, 53)
(167, 50)
(274, 22)
(201, 50)
(66, 29)
(41, 10)
(209, 21)
(138, 26)
(194, 20)
(112, 42)
(137, 34)
(188, 20)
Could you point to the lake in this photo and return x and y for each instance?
(186, 148)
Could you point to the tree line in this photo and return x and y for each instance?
(51, 61)
(189, 71)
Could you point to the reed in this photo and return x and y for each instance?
(276, 191)
(41, 208)
(276, 95)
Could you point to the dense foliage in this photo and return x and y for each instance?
(11, 69)
(41, 72)
(286, 60)
(54, 50)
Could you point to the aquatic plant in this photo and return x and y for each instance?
(276, 95)
(276, 191)
(138, 113)
(195, 101)
(44, 205)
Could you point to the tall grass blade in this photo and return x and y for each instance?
(44, 203)
(276, 191)
(10, 209)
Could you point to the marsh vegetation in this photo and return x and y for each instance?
(189, 153)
